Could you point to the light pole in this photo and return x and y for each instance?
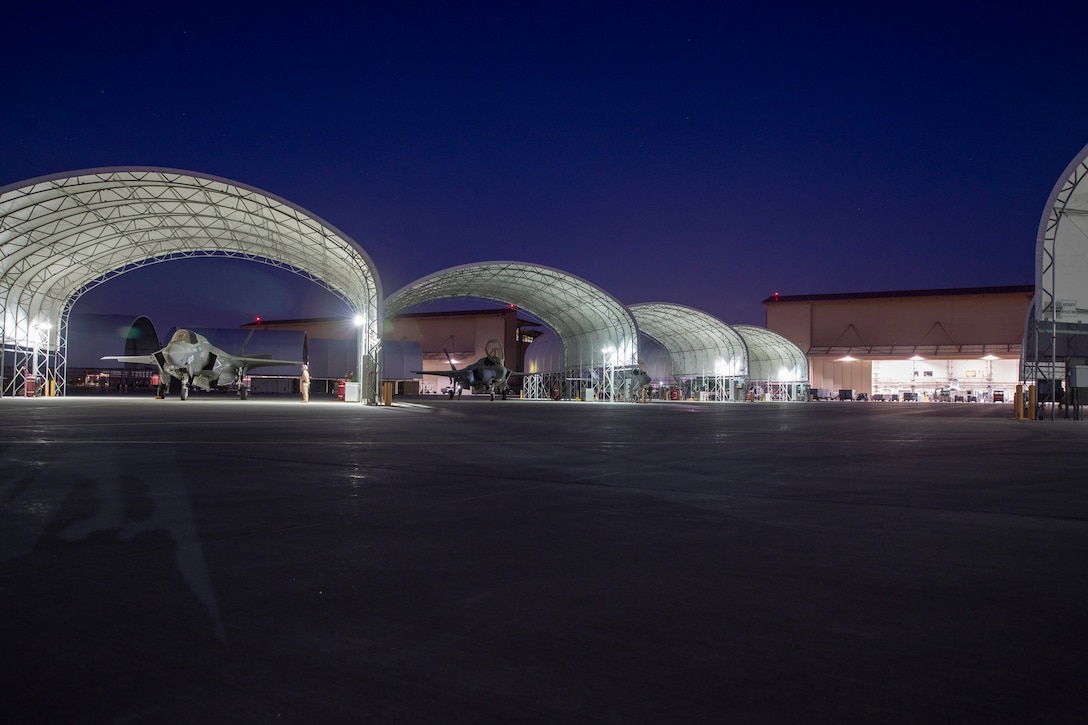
(990, 376)
(360, 322)
(40, 328)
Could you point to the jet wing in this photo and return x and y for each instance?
(149, 359)
(257, 361)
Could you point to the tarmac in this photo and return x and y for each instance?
(511, 561)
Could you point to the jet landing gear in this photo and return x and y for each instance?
(240, 381)
(161, 392)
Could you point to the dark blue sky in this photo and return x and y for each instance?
(672, 154)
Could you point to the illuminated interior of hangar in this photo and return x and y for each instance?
(1056, 329)
(951, 344)
(65, 234)
(599, 336)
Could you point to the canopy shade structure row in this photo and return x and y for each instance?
(63, 235)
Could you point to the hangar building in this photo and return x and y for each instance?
(921, 344)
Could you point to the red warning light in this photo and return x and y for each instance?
(258, 319)
(775, 299)
(512, 306)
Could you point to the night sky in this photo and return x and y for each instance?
(668, 154)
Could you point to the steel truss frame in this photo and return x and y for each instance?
(598, 334)
(715, 361)
(1063, 227)
(63, 235)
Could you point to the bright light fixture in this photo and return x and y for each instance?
(847, 358)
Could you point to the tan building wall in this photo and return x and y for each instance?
(463, 335)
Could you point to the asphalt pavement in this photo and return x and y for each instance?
(220, 560)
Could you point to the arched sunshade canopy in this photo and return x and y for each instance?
(595, 328)
(62, 235)
(699, 344)
(772, 357)
(1061, 249)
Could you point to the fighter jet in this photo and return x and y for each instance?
(195, 361)
(635, 382)
(488, 375)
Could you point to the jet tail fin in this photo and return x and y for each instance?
(246, 343)
(450, 359)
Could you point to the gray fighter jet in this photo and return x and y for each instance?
(634, 383)
(488, 375)
(193, 360)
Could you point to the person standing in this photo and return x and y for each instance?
(304, 383)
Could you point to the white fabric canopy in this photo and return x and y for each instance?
(62, 235)
(595, 328)
(1061, 250)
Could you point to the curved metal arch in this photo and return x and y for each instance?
(772, 357)
(699, 344)
(595, 328)
(61, 235)
(112, 217)
(1061, 249)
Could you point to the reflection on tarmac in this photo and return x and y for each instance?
(471, 561)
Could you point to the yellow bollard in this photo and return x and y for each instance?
(1018, 402)
(1032, 402)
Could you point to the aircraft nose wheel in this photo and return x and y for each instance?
(184, 392)
(243, 392)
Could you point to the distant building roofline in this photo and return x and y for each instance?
(299, 321)
(1028, 289)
